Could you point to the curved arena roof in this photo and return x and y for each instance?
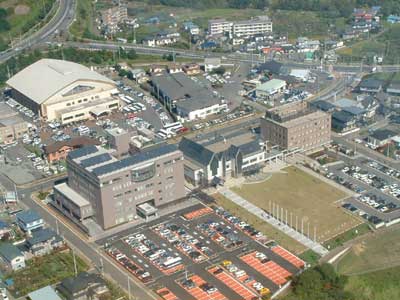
(46, 77)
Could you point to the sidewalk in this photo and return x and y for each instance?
(316, 247)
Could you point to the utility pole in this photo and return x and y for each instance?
(16, 193)
(75, 267)
(129, 287)
(315, 233)
(57, 228)
(291, 223)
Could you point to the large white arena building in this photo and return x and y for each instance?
(64, 91)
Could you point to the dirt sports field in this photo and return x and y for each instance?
(306, 197)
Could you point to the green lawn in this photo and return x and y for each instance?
(377, 251)
(267, 229)
(386, 44)
(380, 285)
(23, 15)
(43, 271)
(305, 196)
(85, 15)
(347, 236)
(310, 257)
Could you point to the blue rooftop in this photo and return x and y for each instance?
(28, 216)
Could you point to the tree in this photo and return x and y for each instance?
(320, 283)
(132, 54)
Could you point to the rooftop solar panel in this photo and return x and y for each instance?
(95, 160)
(135, 159)
(82, 152)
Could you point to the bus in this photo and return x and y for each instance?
(125, 99)
(172, 262)
(129, 98)
(173, 127)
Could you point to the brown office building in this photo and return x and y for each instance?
(113, 191)
(296, 126)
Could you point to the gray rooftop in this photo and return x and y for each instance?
(196, 151)
(9, 251)
(383, 134)
(81, 282)
(46, 293)
(189, 95)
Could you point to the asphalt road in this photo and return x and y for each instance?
(60, 22)
(233, 57)
(89, 249)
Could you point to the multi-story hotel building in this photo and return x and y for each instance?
(296, 126)
(114, 191)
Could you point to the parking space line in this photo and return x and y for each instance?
(233, 284)
(270, 269)
(166, 294)
(199, 293)
(294, 260)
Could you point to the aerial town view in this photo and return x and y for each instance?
(201, 150)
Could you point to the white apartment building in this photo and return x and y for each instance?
(219, 26)
(247, 28)
(259, 25)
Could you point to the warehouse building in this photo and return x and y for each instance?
(270, 88)
(114, 191)
(296, 126)
(185, 97)
(64, 91)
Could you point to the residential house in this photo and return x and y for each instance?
(371, 105)
(85, 286)
(209, 45)
(343, 122)
(43, 241)
(12, 257)
(59, 150)
(46, 293)
(157, 69)
(139, 75)
(370, 85)
(304, 45)
(191, 69)
(29, 220)
(174, 68)
(162, 39)
(323, 105)
(192, 28)
(381, 137)
(393, 88)
(5, 230)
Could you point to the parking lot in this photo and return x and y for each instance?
(377, 187)
(203, 253)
